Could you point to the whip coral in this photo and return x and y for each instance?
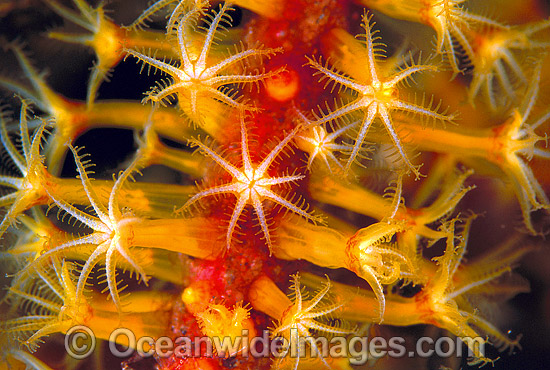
(246, 184)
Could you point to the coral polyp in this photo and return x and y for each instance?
(283, 184)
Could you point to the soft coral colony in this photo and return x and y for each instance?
(286, 122)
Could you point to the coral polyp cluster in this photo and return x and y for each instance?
(302, 181)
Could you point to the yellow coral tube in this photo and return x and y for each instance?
(146, 313)
(298, 239)
(195, 237)
(266, 297)
(151, 199)
(409, 10)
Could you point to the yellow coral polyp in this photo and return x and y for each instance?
(220, 324)
(200, 81)
(366, 252)
(298, 318)
(196, 297)
(283, 87)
